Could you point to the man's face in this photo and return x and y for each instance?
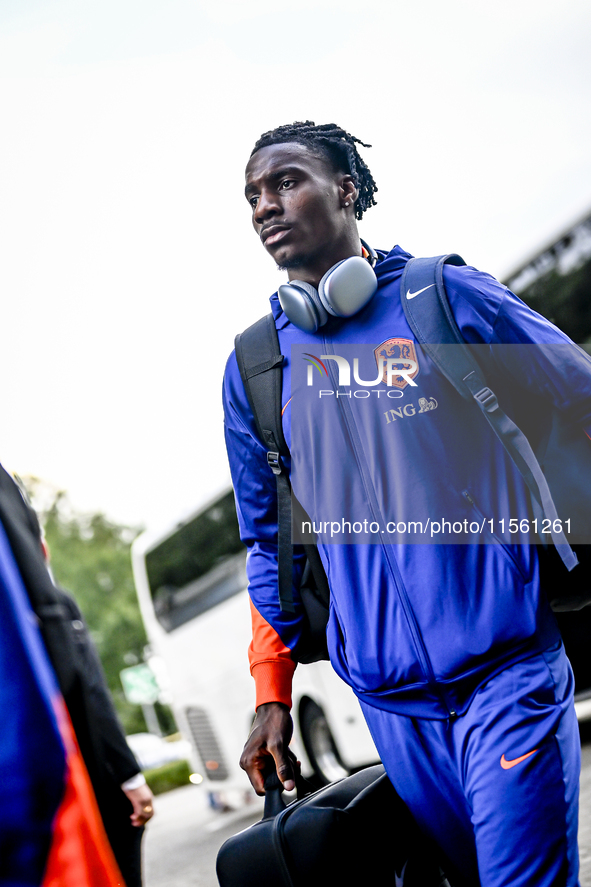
(298, 206)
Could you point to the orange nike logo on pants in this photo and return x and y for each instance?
(506, 765)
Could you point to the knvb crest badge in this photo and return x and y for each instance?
(403, 355)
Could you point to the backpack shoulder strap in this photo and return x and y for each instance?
(430, 317)
(260, 362)
(261, 368)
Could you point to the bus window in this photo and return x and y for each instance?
(198, 567)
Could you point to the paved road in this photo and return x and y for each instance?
(182, 841)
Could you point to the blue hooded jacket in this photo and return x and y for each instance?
(416, 623)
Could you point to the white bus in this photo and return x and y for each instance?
(191, 585)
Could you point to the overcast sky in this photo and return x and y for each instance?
(128, 261)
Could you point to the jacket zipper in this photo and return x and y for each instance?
(423, 656)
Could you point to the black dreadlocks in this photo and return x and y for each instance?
(336, 145)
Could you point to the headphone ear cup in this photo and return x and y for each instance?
(343, 291)
(322, 294)
(302, 306)
(348, 286)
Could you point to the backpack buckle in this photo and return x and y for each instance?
(487, 399)
(274, 462)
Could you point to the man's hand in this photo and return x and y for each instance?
(142, 802)
(269, 738)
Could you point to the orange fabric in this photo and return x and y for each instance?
(270, 660)
(506, 765)
(286, 406)
(80, 854)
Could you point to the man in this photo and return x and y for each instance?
(452, 650)
(124, 798)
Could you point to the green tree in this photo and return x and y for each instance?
(90, 558)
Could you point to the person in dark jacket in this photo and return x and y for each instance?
(453, 650)
(125, 801)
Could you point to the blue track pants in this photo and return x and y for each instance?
(498, 787)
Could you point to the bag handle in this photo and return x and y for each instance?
(274, 801)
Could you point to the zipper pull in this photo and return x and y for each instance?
(467, 496)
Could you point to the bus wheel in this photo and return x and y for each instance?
(320, 745)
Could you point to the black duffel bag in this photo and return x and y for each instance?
(355, 831)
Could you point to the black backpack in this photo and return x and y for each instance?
(557, 469)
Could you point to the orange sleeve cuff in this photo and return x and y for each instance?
(273, 682)
(271, 664)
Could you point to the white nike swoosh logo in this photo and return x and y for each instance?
(399, 881)
(410, 295)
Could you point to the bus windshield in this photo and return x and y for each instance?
(197, 567)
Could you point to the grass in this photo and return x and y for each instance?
(169, 776)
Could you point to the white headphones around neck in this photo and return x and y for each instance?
(343, 291)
